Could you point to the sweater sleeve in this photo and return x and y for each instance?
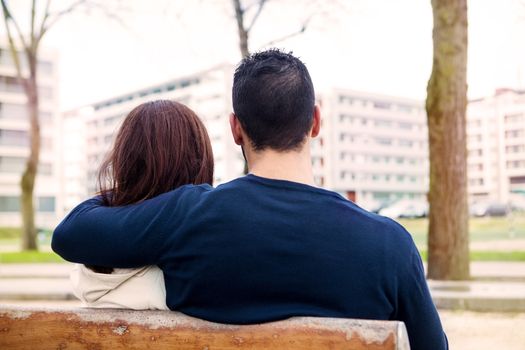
(416, 308)
(122, 237)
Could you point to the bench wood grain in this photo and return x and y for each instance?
(94, 329)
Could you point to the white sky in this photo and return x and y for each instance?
(382, 46)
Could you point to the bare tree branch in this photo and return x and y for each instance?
(42, 30)
(33, 15)
(109, 14)
(243, 34)
(257, 14)
(291, 35)
(12, 46)
(54, 17)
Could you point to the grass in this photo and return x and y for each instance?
(9, 233)
(490, 256)
(29, 257)
(481, 229)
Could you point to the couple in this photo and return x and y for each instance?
(264, 247)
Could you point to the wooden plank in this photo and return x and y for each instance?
(94, 329)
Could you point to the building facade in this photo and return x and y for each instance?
(73, 177)
(496, 146)
(14, 140)
(208, 93)
(372, 148)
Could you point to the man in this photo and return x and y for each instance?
(269, 245)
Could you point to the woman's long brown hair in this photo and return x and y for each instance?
(160, 146)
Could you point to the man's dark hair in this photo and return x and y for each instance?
(273, 99)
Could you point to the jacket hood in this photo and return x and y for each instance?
(90, 286)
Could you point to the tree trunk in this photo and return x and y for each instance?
(243, 43)
(27, 183)
(241, 30)
(448, 241)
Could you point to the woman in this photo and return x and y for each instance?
(160, 146)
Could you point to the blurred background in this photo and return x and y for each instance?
(370, 61)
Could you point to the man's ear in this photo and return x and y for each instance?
(316, 125)
(236, 128)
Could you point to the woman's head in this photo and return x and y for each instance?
(160, 146)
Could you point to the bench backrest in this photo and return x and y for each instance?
(82, 328)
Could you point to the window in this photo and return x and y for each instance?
(383, 123)
(405, 126)
(346, 99)
(12, 164)
(317, 161)
(45, 169)
(10, 84)
(346, 174)
(515, 164)
(475, 152)
(13, 111)
(46, 204)
(45, 92)
(405, 108)
(382, 105)
(383, 141)
(515, 118)
(476, 182)
(18, 138)
(9, 204)
(475, 167)
(346, 137)
(405, 143)
(509, 134)
(515, 149)
(45, 67)
(345, 118)
(474, 123)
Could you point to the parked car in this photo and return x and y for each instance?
(481, 209)
(377, 206)
(406, 208)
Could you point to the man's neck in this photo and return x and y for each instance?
(293, 166)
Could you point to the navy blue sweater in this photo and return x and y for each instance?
(256, 250)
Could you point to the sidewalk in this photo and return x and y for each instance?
(495, 286)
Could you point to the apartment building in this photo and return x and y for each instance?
(73, 177)
(496, 146)
(14, 140)
(372, 148)
(208, 93)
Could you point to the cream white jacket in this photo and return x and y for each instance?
(138, 289)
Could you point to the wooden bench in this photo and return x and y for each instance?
(94, 329)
